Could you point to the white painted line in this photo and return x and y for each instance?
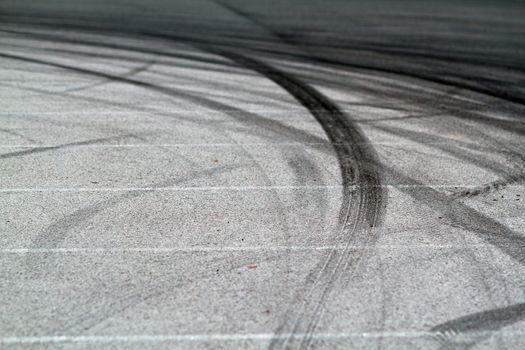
(228, 249)
(166, 249)
(169, 189)
(173, 145)
(232, 337)
(229, 144)
(230, 188)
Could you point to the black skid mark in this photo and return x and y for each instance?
(53, 236)
(43, 149)
(17, 134)
(128, 74)
(234, 112)
(477, 326)
(363, 196)
(460, 215)
(489, 187)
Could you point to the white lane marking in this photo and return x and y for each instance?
(230, 337)
(167, 249)
(226, 249)
(231, 188)
(174, 145)
(226, 144)
(161, 189)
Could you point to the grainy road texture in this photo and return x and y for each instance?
(262, 174)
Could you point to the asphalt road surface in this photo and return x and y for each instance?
(262, 174)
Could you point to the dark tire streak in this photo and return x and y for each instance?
(34, 150)
(234, 112)
(56, 233)
(477, 326)
(496, 93)
(17, 134)
(496, 234)
(132, 72)
(361, 209)
(311, 56)
(446, 147)
(460, 215)
(489, 187)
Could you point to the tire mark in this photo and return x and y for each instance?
(128, 74)
(220, 106)
(459, 215)
(54, 38)
(446, 147)
(56, 233)
(477, 326)
(268, 182)
(90, 211)
(130, 299)
(458, 108)
(14, 133)
(98, 101)
(129, 296)
(243, 14)
(492, 186)
(312, 56)
(308, 54)
(63, 146)
(104, 102)
(334, 141)
(234, 112)
(461, 84)
(513, 251)
(405, 52)
(156, 112)
(244, 116)
(306, 170)
(361, 209)
(182, 58)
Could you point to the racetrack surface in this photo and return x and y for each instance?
(272, 174)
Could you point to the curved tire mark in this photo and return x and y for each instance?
(56, 233)
(232, 111)
(491, 231)
(130, 73)
(477, 326)
(361, 208)
(489, 187)
(17, 134)
(43, 149)
(316, 53)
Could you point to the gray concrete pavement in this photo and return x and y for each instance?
(199, 174)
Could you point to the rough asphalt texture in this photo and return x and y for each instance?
(262, 174)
